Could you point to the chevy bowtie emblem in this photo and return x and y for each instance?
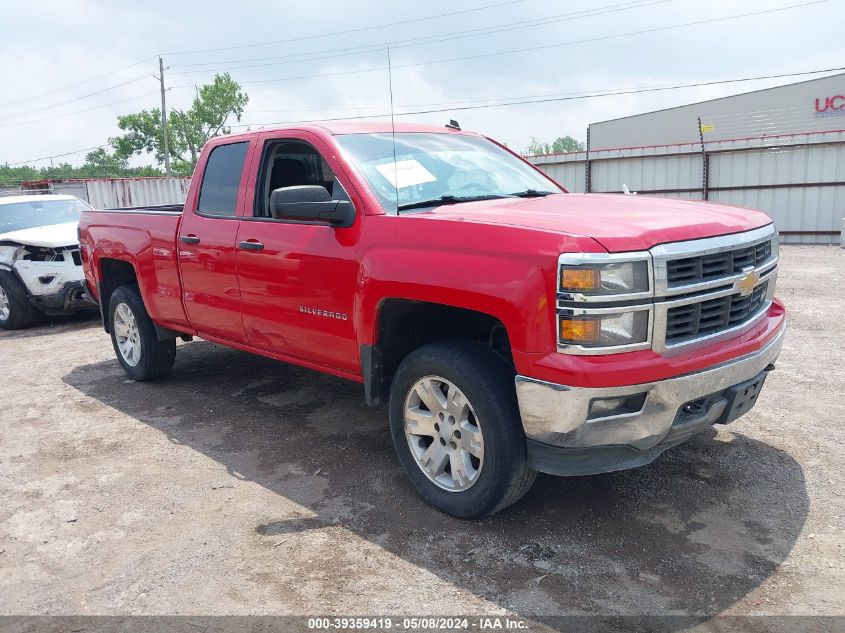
(747, 284)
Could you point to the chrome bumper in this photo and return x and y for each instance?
(557, 415)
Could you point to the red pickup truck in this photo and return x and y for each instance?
(511, 327)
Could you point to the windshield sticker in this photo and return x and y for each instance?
(405, 173)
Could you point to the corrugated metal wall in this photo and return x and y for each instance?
(140, 192)
(119, 193)
(798, 179)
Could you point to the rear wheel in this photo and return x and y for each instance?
(455, 425)
(134, 338)
(15, 310)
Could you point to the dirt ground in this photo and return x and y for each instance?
(240, 485)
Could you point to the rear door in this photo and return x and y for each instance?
(206, 244)
(298, 278)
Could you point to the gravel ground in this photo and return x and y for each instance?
(240, 485)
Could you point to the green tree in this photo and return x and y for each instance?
(564, 144)
(143, 135)
(99, 163)
(11, 176)
(188, 130)
(561, 145)
(536, 148)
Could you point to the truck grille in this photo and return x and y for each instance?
(76, 256)
(715, 265)
(701, 292)
(713, 315)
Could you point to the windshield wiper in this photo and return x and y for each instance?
(447, 199)
(533, 193)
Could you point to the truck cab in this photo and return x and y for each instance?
(510, 327)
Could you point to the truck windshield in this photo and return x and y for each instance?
(439, 168)
(16, 216)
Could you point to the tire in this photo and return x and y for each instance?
(133, 336)
(15, 310)
(489, 479)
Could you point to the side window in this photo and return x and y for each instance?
(289, 164)
(222, 179)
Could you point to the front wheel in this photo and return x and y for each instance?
(455, 425)
(15, 311)
(134, 338)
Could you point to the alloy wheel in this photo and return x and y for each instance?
(443, 433)
(126, 334)
(5, 306)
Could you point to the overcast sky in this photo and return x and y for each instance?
(47, 46)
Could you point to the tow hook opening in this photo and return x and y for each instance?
(601, 408)
(46, 279)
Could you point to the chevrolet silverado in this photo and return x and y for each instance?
(510, 327)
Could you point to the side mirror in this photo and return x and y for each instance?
(311, 203)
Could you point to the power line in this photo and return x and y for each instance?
(78, 83)
(437, 61)
(347, 31)
(6, 117)
(618, 35)
(419, 41)
(510, 102)
(710, 118)
(76, 151)
(315, 36)
(421, 105)
(539, 48)
(586, 95)
(62, 116)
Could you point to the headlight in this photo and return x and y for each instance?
(604, 302)
(612, 329)
(612, 278)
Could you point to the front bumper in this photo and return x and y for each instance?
(71, 297)
(563, 439)
(48, 278)
(54, 287)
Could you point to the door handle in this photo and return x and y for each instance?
(189, 239)
(251, 245)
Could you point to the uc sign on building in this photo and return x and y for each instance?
(830, 106)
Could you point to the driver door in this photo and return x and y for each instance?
(298, 278)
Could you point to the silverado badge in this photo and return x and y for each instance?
(342, 316)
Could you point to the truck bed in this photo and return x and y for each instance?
(147, 237)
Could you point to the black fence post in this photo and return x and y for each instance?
(588, 176)
(705, 165)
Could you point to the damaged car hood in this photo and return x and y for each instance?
(52, 236)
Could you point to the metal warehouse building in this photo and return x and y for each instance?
(781, 150)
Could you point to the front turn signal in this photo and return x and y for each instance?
(580, 330)
(580, 279)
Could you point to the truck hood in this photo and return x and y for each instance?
(618, 222)
(52, 236)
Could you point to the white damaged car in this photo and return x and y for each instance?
(40, 264)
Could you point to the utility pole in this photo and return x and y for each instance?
(164, 118)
